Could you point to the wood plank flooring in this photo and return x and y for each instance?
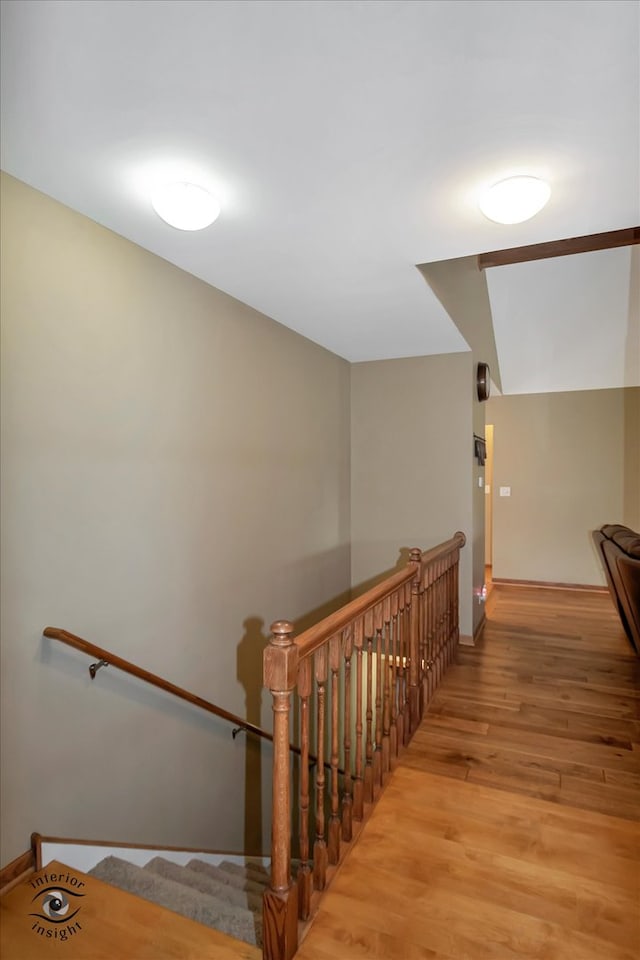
(509, 829)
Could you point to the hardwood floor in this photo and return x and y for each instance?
(509, 828)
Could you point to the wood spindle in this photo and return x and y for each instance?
(368, 766)
(386, 687)
(438, 625)
(320, 844)
(414, 646)
(406, 630)
(431, 622)
(456, 606)
(377, 755)
(334, 818)
(443, 623)
(305, 877)
(280, 900)
(445, 620)
(422, 641)
(446, 614)
(347, 790)
(393, 633)
(401, 671)
(358, 783)
(449, 613)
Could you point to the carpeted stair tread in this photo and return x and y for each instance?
(237, 880)
(206, 884)
(232, 920)
(254, 872)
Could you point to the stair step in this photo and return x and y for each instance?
(205, 884)
(229, 918)
(254, 872)
(120, 926)
(231, 878)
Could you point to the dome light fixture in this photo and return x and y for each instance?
(185, 206)
(514, 200)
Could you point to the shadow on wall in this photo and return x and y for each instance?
(249, 673)
(250, 648)
(404, 555)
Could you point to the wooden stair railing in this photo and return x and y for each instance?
(362, 677)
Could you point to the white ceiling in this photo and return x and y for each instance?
(587, 301)
(347, 141)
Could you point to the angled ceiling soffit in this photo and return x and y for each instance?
(461, 288)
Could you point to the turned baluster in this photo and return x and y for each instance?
(377, 756)
(436, 614)
(334, 818)
(431, 629)
(305, 878)
(393, 630)
(441, 620)
(406, 634)
(402, 673)
(386, 687)
(445, 616)
(437, 600)
(456, 611)
(368, 766)
(414, 646)
(449, 612)
(422, 640)
(280, 900)
(320, 844)
(445, 619)
(428, 600)
(358, 784)
(347, 793)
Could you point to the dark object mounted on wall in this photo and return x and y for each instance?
(483, 381)
(479, 449)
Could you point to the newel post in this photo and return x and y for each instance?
(414, 644)
(280, 900)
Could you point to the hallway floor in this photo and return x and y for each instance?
(509, 828)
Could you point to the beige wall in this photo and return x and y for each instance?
(175, 476)
(631, 510)
(563, 456)
(411, 462)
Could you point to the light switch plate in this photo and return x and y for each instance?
(505, 491)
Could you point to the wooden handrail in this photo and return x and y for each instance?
(55, 633)
(106, 658)
(361, 679)
(313, 638)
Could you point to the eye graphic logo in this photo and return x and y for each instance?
(56, 906)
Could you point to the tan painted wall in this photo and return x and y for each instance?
(562, 454)
(631, 510)
(175, 477)
(411, 462)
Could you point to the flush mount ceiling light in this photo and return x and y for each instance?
(185, 206)
(514, 200)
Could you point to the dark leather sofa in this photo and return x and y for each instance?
(619, 548)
